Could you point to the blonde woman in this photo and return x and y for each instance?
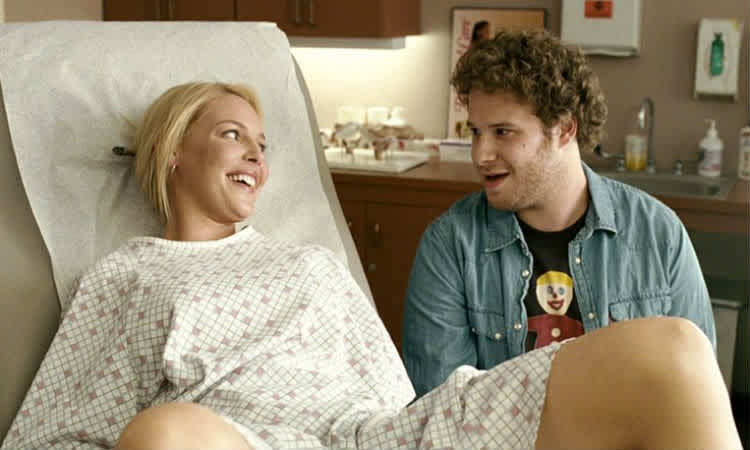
(207, 338)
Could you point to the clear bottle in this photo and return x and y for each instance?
(711, 146)
(636, 145)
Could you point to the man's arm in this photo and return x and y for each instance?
(689, 294)
(436, 335)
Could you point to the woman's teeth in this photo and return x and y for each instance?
(242, 178)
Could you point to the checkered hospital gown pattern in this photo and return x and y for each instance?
(274, 337)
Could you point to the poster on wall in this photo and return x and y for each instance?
(470, 25)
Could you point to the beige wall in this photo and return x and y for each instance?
(417, 76)
(29, 10)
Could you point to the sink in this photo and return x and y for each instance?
(677, 185)
(364, 159)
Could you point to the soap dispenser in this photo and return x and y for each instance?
(711, 146)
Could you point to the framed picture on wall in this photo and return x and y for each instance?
(470, 25)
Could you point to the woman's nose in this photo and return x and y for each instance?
(253, 151)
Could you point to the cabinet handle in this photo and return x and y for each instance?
(297, 12)
(371, 267)
(311, 16)
(376, 235)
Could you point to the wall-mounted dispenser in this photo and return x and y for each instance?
(718, 57)
(610, 28)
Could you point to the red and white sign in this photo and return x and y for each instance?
(598, 9)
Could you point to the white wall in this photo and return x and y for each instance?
(416, 77)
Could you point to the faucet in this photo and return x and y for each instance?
(619, 161)
(646, 121)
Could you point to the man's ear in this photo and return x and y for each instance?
(568, 129)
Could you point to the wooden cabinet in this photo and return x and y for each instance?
(319, 18)
(387, 215)
(337, 18)
(128, 10)
(216, 10)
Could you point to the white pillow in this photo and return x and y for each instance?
(74, 90)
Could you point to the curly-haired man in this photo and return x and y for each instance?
(548, 249)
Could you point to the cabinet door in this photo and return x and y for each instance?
(354, 213)
(287, 14)
(393, 234)
(127, 10)
(201, 10)
(336, 18)
(361, 18)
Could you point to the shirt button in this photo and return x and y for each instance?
(517, 326)
(525, 273)
(555, 332)
(498, 336)
(578, 260)
(590, 316)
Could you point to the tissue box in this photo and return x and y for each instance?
(455, 150)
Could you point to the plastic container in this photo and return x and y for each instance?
(711, 146)
(636, 145)
(743, 165)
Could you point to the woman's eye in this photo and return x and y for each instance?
(263, 147)
(232, 134)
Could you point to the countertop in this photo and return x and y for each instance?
(730, 215)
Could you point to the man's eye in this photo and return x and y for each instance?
(263, 147)
(474, 131)
(232, 134)
(501, 131)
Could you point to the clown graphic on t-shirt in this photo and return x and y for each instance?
(554, 292)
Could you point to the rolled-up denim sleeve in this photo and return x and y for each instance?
(690, 298)
(436, 335)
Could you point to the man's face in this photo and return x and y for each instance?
(518, 165)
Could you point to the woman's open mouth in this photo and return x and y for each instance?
(245, 181)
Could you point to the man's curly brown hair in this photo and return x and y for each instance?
(541, 71)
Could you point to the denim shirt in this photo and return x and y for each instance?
(464, 305)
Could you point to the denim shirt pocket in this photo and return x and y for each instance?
(634, 308)
(489, 331)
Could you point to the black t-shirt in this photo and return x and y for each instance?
(551, 305)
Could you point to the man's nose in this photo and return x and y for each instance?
(483, 149)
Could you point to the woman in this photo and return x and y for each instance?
(207, 338)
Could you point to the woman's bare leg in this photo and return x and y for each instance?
(647, 383)
(180, 425)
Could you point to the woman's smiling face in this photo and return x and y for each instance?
(220, 165)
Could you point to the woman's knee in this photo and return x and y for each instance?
(664, 345)
(179, 425)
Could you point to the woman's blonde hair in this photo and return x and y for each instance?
(163, 129)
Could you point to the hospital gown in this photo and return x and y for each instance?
(277, 338)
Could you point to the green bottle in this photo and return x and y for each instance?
(717, 56)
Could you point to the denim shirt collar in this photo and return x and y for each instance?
(503, 228)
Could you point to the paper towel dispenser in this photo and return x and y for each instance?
(610, 27)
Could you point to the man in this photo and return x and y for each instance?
(548, 249)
